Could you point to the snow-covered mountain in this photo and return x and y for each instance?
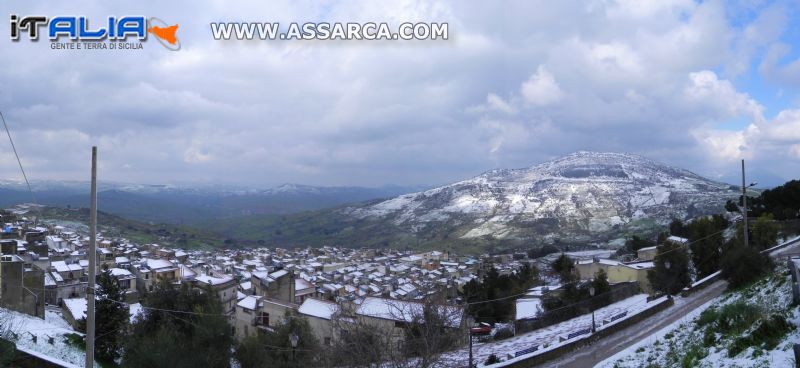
(577, 197)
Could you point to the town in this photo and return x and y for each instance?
(44, 268)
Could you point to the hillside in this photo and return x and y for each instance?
(137, 231)
(191, 204)
(585, 197)
(752, 327)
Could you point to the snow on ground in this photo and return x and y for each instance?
(549, 337)
(675, 344)
(44, 336)
(528, 308)
(55, 318)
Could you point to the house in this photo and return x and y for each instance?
(21, 286)
(255, 314)
(394, 315)
(63, 281)
(127, 284)
(616, 271)
(277, 285)
(319, 314)
(224, 287)
(646, 254)
(150, 271)
(303, 290)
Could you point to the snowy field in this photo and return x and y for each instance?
(44, 336)
(550, 337)
(682, 343)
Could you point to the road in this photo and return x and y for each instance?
(607, 346)
(612, 344)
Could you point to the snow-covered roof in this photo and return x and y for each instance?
(677, 239)
(528, 308)
(76, 306)
(401, 310)
(318, 308)
(641, 265)
(249, 302)
(156, 264)
(62, 266)
(120, 272)
(211, 280)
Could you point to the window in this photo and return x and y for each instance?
(264, 319)
(328, 341)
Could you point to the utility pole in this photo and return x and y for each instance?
(744, 208)
(470, 347)
(92, 254)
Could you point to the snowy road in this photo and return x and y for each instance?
(607, 346)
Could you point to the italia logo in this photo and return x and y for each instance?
(77, 28)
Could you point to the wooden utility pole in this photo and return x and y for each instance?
(92, 254)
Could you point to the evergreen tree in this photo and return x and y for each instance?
(671, 272)
(741, 265)
(187, 330)
(764, 232)
(111, 317)
(565, 268)
(706, 243)
(601, 289)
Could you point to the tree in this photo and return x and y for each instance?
(764, 232)
(565, 268)
(633, 244)
(670, 279)
(185, 328)
(783, 202)
(111, 317)
(706, 244)
(677, 228)
(498, 288)
(741, 265)
(731, 206)
(274, 349)
(432, 329)
(601, 289)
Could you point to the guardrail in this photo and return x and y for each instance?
(550, 353)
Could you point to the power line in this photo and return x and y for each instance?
(25, 176)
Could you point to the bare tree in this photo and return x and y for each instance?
(396, 334)
(430, 329)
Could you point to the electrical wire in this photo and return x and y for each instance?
(25, 176)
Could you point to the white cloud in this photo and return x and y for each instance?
(516, 84)
(541, 88)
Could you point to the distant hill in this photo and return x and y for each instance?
(585, 197)
(187, 204)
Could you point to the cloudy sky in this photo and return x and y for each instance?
(699, 85)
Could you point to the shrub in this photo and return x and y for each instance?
(709, 337)
(767, 335)
(492, 359)
(741, 265)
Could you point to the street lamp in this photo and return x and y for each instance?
(669, 284)
(294, 339)
(591, 293)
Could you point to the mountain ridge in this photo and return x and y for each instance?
(585, 197)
